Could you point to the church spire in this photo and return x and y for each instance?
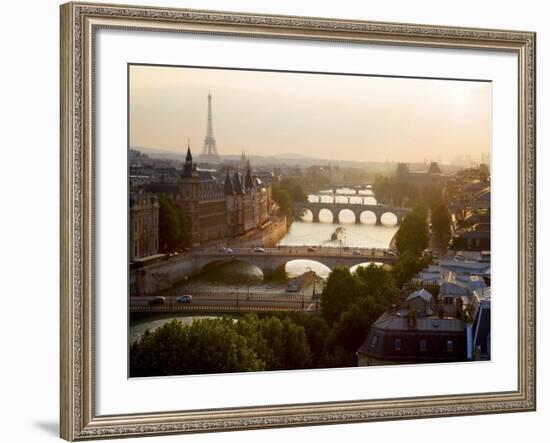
(188, 157)
(248, 181)
(188, 165)
(229, 189)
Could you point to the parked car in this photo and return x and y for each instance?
(258, 249)
(311, 249)
(184, 298)
(157, 300)
(356, 252)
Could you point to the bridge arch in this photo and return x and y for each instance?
(348, 213)
(307, 215)
(368, 217)
(364, 265)
(209, 265)
(391, 218)
(298, 266)
(323, 214)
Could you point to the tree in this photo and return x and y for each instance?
(206, 346)
(350, 304)
(316, 330)
(350, 331)
(430, 195)
(412, 235)
(375, 282)
(341, 289)
(441, 221)
(406, 267)
(283, 199)
(280, 343)
(169, 224)
(298, 194)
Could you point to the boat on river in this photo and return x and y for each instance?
(338, 234)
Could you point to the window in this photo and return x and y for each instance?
(449, 300)
(422, 345)
(373, 341)
(397, 344)
(450, 346)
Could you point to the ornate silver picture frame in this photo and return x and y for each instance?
(80, 23)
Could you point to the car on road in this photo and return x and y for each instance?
(258, 249)
(311, 249)
(184, 298)
(157, 300)
(356, 252)
(225, 250)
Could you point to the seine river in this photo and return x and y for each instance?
(239, 276)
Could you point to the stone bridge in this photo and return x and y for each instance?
(356, 208)
(164, 274)
(275, 258)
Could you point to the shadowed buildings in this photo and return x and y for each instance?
(217, 210)
(432, 177)
(144, 225)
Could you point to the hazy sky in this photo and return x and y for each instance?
(325, 116)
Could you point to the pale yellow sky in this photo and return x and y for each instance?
(336, 117)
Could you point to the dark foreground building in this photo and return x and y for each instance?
(421, 332)
(398, 337)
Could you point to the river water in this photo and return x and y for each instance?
(238, 276)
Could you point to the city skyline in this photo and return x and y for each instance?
(323, 116)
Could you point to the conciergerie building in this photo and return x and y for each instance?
(218, 209)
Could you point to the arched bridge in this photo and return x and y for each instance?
(356, 208)
(273, 258)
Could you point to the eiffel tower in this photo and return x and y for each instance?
(209, 151)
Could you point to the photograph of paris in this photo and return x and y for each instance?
(291, 220)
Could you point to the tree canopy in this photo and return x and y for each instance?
(174, 226)
(441, 220)
(221, 345)
(353, 303)
(288, 192)
(205, 347)
(412, 235)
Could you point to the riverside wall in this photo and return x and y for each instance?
(267, 237)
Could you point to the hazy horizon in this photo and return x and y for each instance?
(326, 116)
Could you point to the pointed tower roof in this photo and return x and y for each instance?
(238, 183)
(188, 157)
(228, 187)
(248, 181)
(434, 168)
(188, 165)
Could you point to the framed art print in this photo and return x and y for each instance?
(277, 221)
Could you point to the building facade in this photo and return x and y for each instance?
(218, 210)
(432, 177)
(144, 226)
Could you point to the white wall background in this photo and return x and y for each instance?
(29, 186)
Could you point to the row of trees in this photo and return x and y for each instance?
(351, 302)
(221, 345)
(413, 236)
